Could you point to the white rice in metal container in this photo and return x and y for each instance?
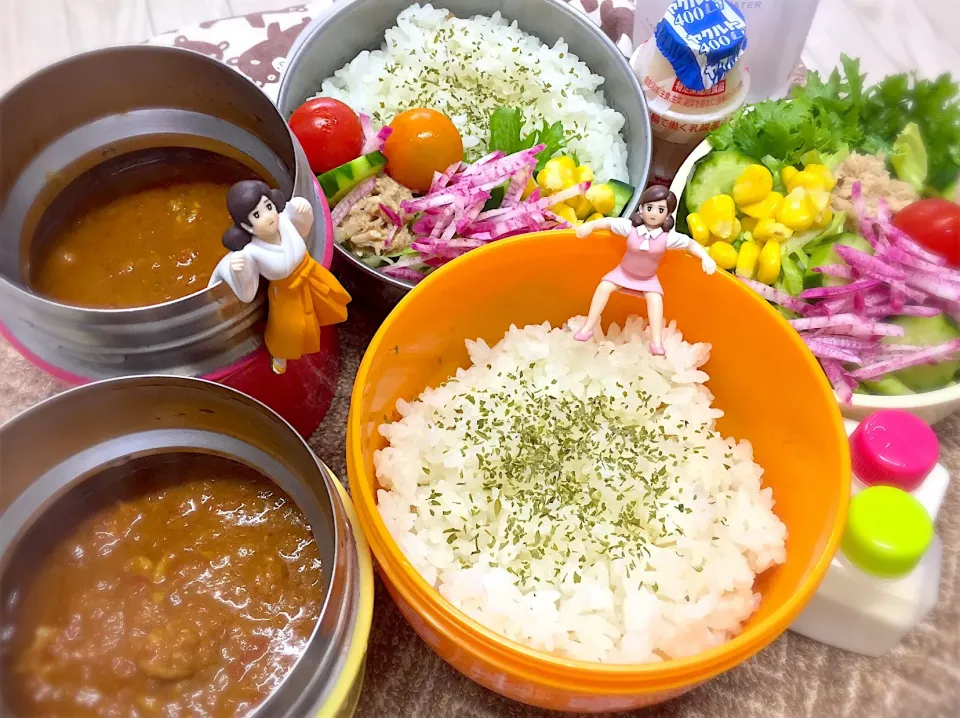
(467, 68)
(575, 497)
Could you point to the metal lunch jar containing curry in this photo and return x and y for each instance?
(132, 574)
(70, 132)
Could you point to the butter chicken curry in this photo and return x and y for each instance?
(143, 233)
(193, 596)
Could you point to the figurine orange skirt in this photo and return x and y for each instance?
(308, 299)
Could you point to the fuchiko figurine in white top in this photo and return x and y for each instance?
(267, 239)
(649, 234)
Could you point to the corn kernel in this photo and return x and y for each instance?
(769, 228)
(565, 212)
(594, 217)
(824, 218)
(529, 189)
(747, 223)
(602, 198)
(719, 214)
(768, 263)
(542, 178)
(818, 199)
(787, 174)
(698, 228)
(807, 180)
(554, 179)
(767, 207)
(583, 174)
(796, 212)
(747, 260)
(562, 162)
(581, 206)
(724, 255)
(822, 171)
(753, 184)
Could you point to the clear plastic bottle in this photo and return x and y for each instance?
(865, 614)
(885, 578)
(691, 77)
(778, 31)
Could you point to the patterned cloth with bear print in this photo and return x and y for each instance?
(257, 44)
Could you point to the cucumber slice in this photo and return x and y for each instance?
(886, 385)
(713, 175)
(826, 254)
(337, 182)
(622, 192)
(926, 331)
(952, 192)
(496, 197)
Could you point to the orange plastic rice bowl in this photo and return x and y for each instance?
(770, 387)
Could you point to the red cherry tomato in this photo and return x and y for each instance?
(934, 223)
(422, 142)
(329, 132)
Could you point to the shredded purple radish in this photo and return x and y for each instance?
(856, 287)
(404, 273)
(363, 189)
(849, 324)
(826, 350)
(840, 271)
(391, 215)
(441, 180)
(881, 311)
(449, 219)
(936, 286)
(843, 325)
(777, 297)
(925, 356)
(369, 133)
(868, 264)
(836, 375)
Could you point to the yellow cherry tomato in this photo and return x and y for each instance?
(423, 141)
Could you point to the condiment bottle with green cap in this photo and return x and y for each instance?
(885, 578)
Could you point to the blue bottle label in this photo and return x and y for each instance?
(702, 40)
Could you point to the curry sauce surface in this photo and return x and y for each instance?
(152, 237)
(193, 598)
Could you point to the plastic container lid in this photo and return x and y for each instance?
(888, 531)
(893, 448)
(702, 40)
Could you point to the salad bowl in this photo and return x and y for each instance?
(349, 28)
(931, 406)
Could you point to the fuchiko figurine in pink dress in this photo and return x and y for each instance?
(649, 234)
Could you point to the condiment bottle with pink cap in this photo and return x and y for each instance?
(885, 578)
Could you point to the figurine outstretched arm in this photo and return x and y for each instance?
(240, 272)
(617, 225)
(300, 214)
(678, 240)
